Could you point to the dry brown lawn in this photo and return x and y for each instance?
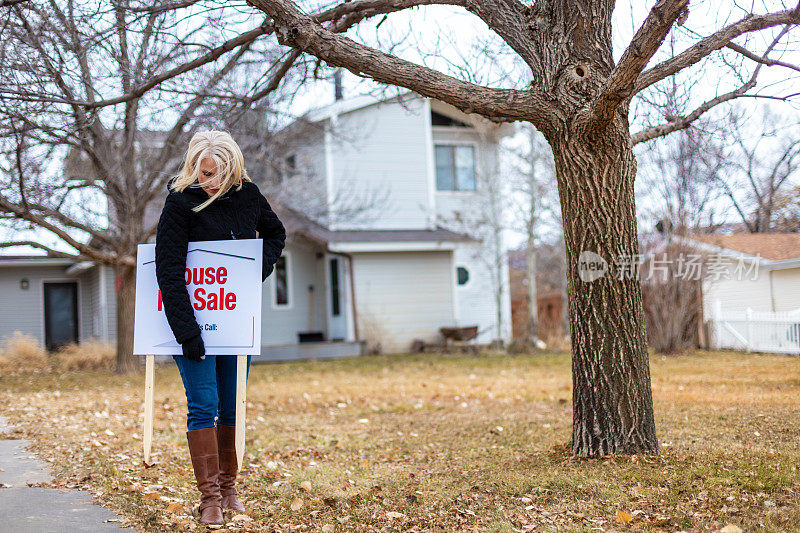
(437, 443)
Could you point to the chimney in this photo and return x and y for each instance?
(337, 85)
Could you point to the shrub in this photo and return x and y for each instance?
(22, 353)
(89, 355)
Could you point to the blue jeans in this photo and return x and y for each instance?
(210, 389)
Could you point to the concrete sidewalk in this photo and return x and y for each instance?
(25, 509)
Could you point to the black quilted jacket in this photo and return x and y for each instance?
(234, 215)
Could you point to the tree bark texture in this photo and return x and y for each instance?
(126, 290)
(612, 397)
(595, 171)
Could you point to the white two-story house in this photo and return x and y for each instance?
(391, 222)
(400, 207)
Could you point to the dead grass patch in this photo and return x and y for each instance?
(431, 442)
(22, 353)
(89, 355)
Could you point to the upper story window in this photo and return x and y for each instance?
(287, 168)
(437, 119)
(455, 167)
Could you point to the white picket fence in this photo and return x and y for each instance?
(756, 331)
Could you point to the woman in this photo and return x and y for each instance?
(211, 199)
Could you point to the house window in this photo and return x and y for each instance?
(437, 119)
(335, 303)
(455, 167)
(281, 282)
(462, 275)
(288, 168)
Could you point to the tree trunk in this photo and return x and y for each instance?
(126, 291)
(612, 397)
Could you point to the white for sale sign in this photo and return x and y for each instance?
(223, 280)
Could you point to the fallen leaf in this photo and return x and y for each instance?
(330, 501)
(623, 517)
(242, 518)
(306, 486)
(152, 496)
(297, 504)
(175, 507)
(327, 528)
(731, 528)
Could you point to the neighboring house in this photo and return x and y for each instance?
(411, 260)
(751, 290)
(760, 271)
(56, 300)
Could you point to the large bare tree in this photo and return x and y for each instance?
(579, 99)
(97, 102)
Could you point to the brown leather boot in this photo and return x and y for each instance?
(228, 468)
(205, 461)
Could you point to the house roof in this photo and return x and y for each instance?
(33, 260)
(772, 246)
(347, 105)
(350, 104)
(297, 223)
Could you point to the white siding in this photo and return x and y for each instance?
(23, 310)
(280, 325)
(111, 301)
(786, 289)
(737, 292)
(402, 296)
(477, 299)
(460, 211)
(381, 152)
(99, 322)
(87, 302)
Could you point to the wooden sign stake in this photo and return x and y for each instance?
(241, 404)
(149, 378)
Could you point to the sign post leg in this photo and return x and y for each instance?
(149, 378)
(241, 403)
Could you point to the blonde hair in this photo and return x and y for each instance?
(219, 146)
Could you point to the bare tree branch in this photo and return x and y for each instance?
(644, 45)
(354, 12)
(683, 122)
(295, 28)
(213, 55)
(84, 249)
(714, 42)
(34, 244)
(763, 60)
(157, 9)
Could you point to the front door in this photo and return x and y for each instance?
(337, 318)
(60, 314)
